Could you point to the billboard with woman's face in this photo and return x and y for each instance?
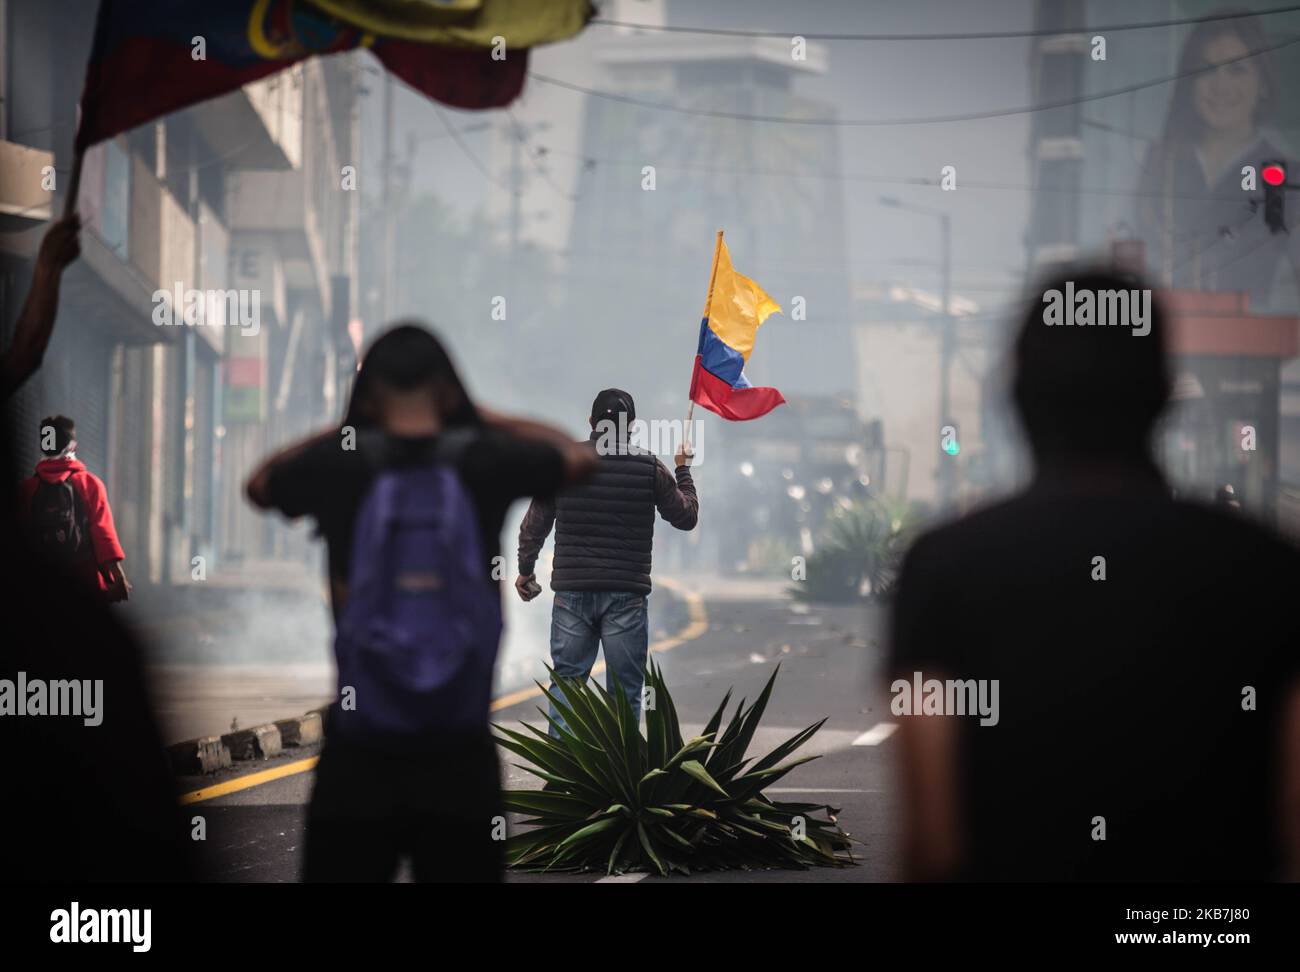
(1198, 201)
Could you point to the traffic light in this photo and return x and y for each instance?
(1274, 176)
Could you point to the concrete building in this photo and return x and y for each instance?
(238, 199)
(784, 231)
(898, 355)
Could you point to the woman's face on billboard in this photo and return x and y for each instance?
(1227, 97)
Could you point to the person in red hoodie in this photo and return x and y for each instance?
(66, 508)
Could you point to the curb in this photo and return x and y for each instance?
(195, 757)
(304, 730)
(315, 720)
(260, 742)
(210, 754)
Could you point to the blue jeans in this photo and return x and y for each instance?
(583, 620)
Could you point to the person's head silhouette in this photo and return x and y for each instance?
(1091, 376)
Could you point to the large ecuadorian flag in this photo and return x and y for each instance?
(151, 57)
(735, 308)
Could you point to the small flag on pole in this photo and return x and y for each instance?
(735, 308)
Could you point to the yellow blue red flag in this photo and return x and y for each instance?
(147, 60)
(733, 312)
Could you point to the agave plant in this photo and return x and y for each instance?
(858, 553)
(615, 800)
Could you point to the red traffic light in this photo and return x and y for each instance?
(1274, 173)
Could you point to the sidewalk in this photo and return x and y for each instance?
(208, 700)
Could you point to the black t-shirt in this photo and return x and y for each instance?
(328, 483)
(1119, 698)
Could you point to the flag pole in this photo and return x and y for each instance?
(708, 305)
(713, 273)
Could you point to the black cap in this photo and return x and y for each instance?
(610, 403)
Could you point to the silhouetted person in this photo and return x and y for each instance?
(97, 801)
(93, 798)
(411, 513)
(1145, 650)
(1225, 498)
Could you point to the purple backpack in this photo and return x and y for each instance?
(418, 636)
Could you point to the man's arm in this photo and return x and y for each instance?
(579, 457)
(103, 533)
(920, 640)
(103, 539)
(533, 532)
(675, 495)
(932, 848)
(258, 487)
(35, 322)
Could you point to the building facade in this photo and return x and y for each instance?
(206, 320)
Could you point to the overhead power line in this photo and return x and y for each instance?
(904, 120)
(973, 35)
(535, 154)
(461, 144)
(920, 182)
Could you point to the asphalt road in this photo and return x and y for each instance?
(829, 658)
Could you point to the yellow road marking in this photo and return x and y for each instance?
(252, 779)
(698, 624)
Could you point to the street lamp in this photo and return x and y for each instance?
(945, 477)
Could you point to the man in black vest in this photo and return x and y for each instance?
(604, 532)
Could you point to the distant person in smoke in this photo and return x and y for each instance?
(65, 508)
(1142, 651)
(1197, 221)
(410, 494)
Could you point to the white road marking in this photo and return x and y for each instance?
(624, 878)
(876, 734)
(816, 789)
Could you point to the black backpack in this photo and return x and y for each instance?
(58, 520)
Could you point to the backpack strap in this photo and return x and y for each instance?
(80, 505)
(453, 443)
(374, 448)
